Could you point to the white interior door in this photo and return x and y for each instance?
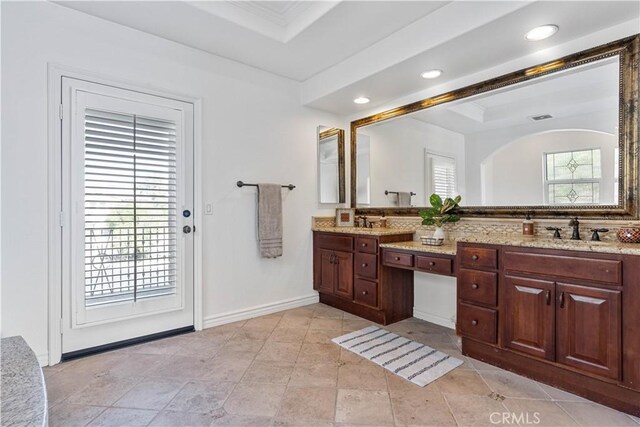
(127, 165)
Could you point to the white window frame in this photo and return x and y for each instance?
(546, 182)
(56, 217)
(430, 156)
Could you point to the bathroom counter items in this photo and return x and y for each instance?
(24, 395)
(608, 247)
(364, 231)
(448, 248)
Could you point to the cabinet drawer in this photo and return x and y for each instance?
(478, 286)
(399, 259)
(339, 243)
(477, 322)
(434, 265)
(367, 244)
(575, 268)
(366, 265)
(478, 257)
(366, 292)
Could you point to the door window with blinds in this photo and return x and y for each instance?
(441, 175)
(130, 181)
(129, 207)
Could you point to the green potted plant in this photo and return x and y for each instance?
(440, 213)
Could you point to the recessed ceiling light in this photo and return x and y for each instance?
(542, 32)
(431, 74)
(361, 100)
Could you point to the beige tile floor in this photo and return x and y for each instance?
(282, 370)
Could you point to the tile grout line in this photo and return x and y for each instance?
(444, 397)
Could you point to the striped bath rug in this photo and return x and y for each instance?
(411, 360)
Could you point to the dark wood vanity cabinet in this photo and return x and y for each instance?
(348, 274)
(529, 310)
(570, 319)
(589, 329)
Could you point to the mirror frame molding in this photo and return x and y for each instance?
(628, 51)
(341, 163)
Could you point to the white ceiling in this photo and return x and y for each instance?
(591, 89)
(339, 50)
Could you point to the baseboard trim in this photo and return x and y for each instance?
(433, 318)
(259, 310)
(43, 359)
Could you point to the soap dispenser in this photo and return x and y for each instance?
(527, 226)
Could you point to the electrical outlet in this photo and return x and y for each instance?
(208, 209)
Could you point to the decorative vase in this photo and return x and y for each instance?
(439, 233)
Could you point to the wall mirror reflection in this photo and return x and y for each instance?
(331, 164)
(552, 142)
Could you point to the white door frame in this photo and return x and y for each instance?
(54, 189)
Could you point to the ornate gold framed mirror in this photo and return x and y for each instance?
(331, 165)
(556, 139)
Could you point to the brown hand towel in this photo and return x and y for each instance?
(270, 220)
(404, 199)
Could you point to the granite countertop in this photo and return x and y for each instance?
(24, 395)
(449, 248)
(364, 231)
(611, 247)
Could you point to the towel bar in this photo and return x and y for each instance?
(242, 184)
(387, 192)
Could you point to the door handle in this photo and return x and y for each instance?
(186, 229)
(331, 258)
(336, 260)
(561, 299)
(548, 297)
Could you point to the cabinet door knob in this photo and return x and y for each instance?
(431, 263)
(475, 257)
(364, 292)
(474, 322)
(364, 265)
(364, 245)
(397, 258)
(475, 286)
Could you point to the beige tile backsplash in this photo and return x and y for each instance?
(492, 226)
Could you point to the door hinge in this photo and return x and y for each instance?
(60, 111)
(61, 219)
(61, 325)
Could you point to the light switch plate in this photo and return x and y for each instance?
(208, 209)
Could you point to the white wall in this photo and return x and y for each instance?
(253, 129)
(398, 157)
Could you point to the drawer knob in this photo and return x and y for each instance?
(474, 322)
(364, 245)
(364, 292)
(397, 258)
(475, 257)
(431, 263)
(364, 265)
(475, 286)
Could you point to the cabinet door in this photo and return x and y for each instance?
(529, 316)
(344, 276)
(589, 329)
(326, 273)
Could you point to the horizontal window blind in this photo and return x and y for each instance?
(130, 207)
(443, 175)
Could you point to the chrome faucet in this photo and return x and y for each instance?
(576, 229)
